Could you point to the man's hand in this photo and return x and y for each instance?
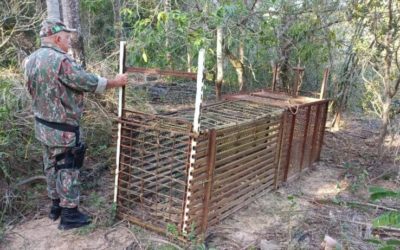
(120, 80)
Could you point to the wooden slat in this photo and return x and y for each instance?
(244, 153)
(237, 138)
(156, 71)
(225, 175)
(232, 149)
(246, 193)
(151, 173)
(245, 201)
(230, 189)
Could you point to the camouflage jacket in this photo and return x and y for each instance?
(57, 84)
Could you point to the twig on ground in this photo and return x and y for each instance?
(322, 202)
(163, 241)
(135, 238)
(373, 205)
(30, 179)
(381, 175)
(362, 223)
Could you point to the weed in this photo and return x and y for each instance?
(387, 219)
(96, 201)
(86, 229)
(135, 229)
(357, 175)
(113, 214)
(172, 231)
(292, 207)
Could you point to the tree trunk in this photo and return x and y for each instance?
(385, 122)
(167, 10)
(242, 86)
(239, 68)
(71, 19)
(388, 81)
(220, 63)
(117, 21)
(189, 60)
(53, 9)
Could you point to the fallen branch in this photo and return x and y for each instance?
(163, 241)
(372, 205)
(362, 224)
(30, 179)
(358, 203)
(381, 175)
(136, 239)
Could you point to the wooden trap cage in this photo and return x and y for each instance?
(303, 129)
(167, 185)
(182, 172)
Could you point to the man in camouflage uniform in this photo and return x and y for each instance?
(57, 85)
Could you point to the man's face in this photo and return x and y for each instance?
(64, 40)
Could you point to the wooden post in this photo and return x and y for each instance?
(121, 103)
(289, 151)
(303, 148)
(211, 158)
(323, 123)
(317, 123)
(324, 84)
(193, 143)
(281, 137)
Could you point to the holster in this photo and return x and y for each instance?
(73, 158)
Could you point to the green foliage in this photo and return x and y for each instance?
(377, 193)
(172, 231)
(97, 21)
(390, 244)
(387, 219)
(357, 175)
(86, 229)
(15, 141)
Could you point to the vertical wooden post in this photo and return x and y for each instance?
(121, 103)
(279, 149)
(315, 135)
(211, 157)
(303, 149)
(293, 124)
(324, 84)
(323, 123)
(193, 142)
(274, 76)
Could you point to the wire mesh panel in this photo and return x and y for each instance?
(152, 178)
(236, 159)
(304, 125)
(245, 165)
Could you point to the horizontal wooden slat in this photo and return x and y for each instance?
(163, 72)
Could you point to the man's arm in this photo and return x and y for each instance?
(73, 76)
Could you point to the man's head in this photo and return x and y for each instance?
(55, 32)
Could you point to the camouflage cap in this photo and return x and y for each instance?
(52, 26)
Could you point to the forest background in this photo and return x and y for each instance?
(357, 41)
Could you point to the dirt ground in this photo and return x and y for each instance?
(329, 200)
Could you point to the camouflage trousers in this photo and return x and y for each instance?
(62, 184)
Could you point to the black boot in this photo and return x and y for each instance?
(72, 218)
(55, 210)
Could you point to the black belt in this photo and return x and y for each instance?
(61, 126)
(74, 156)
